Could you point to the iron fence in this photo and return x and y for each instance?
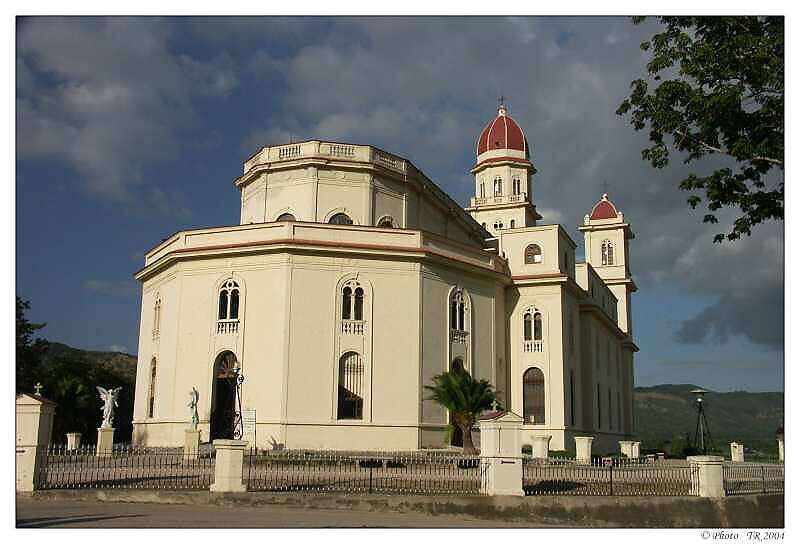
(123, 468)
(747, 478)
(379, 473)
(609, 476)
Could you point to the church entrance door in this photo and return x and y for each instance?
(223, 396)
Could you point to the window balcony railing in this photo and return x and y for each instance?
(227, 326)
(460, 337)
(155, 334)
(498, 199)
(532, 346)
(351, 326)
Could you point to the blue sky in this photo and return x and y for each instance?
(129, 129)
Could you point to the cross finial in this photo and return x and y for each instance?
(502, 107)
(494, 405)
(605, 187)
(37, 389)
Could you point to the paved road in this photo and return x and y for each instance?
(68, 513)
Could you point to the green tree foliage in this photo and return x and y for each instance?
(465, 397)
(29, 349)
(717, 90)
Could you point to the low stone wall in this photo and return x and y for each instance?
(765, 511)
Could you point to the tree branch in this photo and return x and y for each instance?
(710, 147)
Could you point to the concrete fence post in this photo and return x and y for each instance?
(501, 456)
(737, 452)
(583, 449)
(541, 446)
(73, 441)
(229, 466)
(34, 422)
(626, 448)
(780, 449)
(708, 481)
(635, 449)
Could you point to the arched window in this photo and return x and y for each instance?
(286, 217)
(352, 301)
(151, 396)
(386, 222)
(533, 396)
(483, 189)
(228, 301)
(340, 219)
(516, 185)
(537, 327)
(511, 224)
(458, 310)
(533, 254)
(498, 224)
(351, 387)
(527, 326)
(498, 186)
(607, 252)
(532, 331)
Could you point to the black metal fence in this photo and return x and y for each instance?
(380, 473)
(123, 468)
(610, 476)
(747, 478)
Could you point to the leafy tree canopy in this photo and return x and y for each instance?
(717, 90)
(29, 349)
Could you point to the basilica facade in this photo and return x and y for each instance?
(353, 279)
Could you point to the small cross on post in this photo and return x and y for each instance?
(37, 389)
(605, 187)
(494, 405)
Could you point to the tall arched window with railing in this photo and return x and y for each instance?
(151, 393)
(459, 318)
(353, 307)
(533, 254)
(228, 308)
(532, 331)
(350, 403)
(533, 407)
(607, 252)
(498, 186)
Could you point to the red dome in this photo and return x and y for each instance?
(502, 133)
(604, 209)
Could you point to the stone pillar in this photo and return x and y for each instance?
(191, 443)
(73, 441)
(501, 457)
(780, 449)
(737, 452)
(34, 422)
(105, 441)
(583, 449)
(541, 446)
(708, 482)
(635, 449)
(626, 448)
(229, 465)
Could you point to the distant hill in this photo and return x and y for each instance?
(665, 412)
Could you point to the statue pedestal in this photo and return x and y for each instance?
(105, 441)
(191, 444)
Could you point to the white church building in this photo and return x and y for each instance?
(353, 279)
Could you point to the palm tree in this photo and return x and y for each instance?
(465, 397)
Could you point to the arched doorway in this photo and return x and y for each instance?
(223, 396)
(457, 438)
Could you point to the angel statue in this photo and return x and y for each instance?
(109, 398)
(194, 396)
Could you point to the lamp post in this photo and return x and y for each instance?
(702, 435)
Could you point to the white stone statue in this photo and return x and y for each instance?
(194, 397)
(109, 398)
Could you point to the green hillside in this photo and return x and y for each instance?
(69, 376)
(665, 413)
